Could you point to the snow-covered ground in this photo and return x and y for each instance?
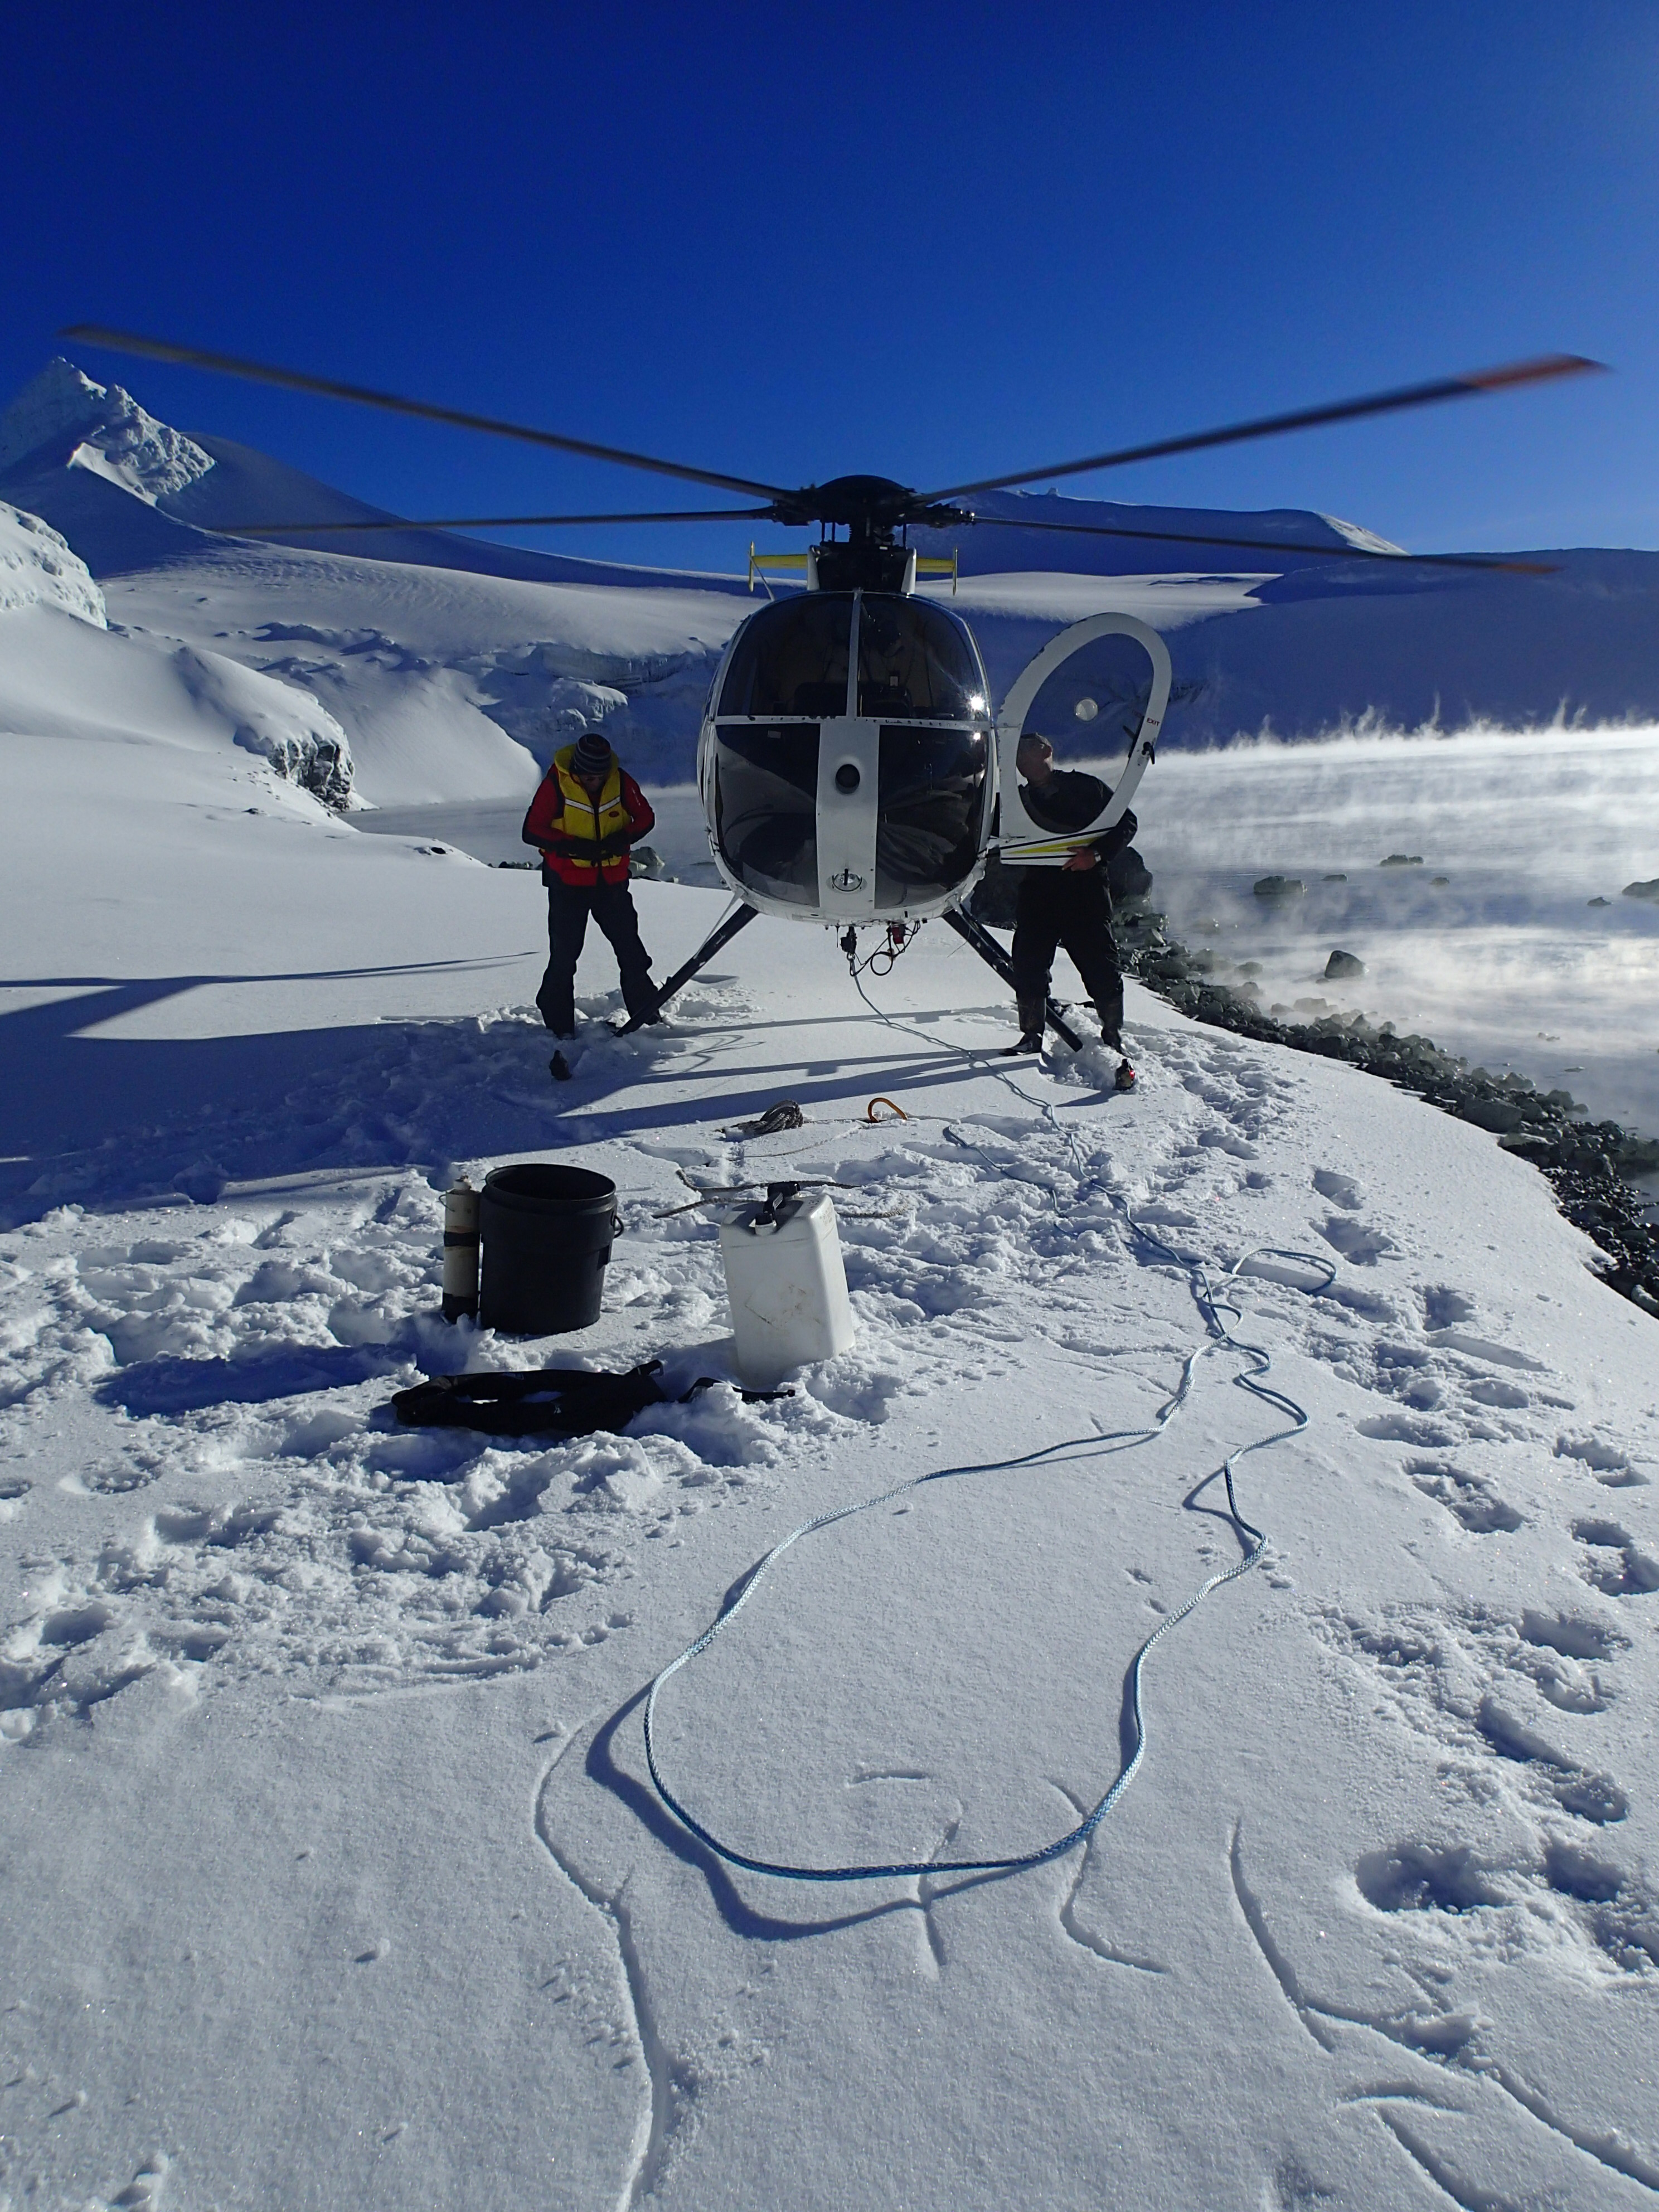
(325, 1785)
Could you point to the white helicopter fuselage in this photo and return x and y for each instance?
(850, 764)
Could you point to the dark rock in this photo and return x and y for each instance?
(1332, 879)
(1647, 890)
(1343, 963)
(1128, 877)
(1401, 860)
(1598, 901)
(1278, 887)
(645, 861)
(1498, 1115)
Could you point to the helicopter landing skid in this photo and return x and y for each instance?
(975, 933)
(727, 929)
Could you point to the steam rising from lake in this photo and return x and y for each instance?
(1506, 960)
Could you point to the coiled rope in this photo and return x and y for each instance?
(1101, 1444)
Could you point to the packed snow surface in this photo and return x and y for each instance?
(322, 1759)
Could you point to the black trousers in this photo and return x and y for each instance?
(1073, 908)
(612, 906)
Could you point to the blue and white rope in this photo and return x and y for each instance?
(1075, 1449)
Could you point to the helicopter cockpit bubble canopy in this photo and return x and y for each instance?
(1097, 693)
(848, 766)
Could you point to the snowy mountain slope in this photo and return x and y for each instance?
(1379, 1918)
(64, 425)
(63, 419)
(1328, 644)
(451, 685)
(38, 568)
(67, 686)
(68, 680)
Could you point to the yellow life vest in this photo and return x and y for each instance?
(583, 820)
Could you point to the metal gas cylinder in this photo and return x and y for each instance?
(460, 1251)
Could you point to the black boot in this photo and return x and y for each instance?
(1033, 1019)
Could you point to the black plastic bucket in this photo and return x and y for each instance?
(546, 1232)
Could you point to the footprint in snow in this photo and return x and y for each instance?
(1469, 1500)
(1341, 1190)
(1362, 1246)
(1614, 1562)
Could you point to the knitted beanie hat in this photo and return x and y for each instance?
(593, 755)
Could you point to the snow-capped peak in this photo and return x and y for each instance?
(62, 416)
(1367, 541)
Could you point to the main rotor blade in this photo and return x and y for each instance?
(491, 522)
(1304, 418)
(261, 373)
(1274, 546)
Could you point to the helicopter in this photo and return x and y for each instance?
(852, 767)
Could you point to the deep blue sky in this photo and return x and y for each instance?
(928, 242)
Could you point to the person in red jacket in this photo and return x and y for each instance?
(585, 814)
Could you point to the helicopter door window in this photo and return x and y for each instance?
(1095, 695)
(791, 659)
(766, 797)
(930, 810)
(915, 662)
(1091, 707)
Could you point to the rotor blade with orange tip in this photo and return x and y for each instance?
(1271, 545)
(1304, 418)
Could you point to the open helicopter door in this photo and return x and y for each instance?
(1097, 693)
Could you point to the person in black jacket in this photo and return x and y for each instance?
(1070, 905)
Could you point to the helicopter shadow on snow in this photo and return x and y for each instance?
(70, 1092)
(812, 1079)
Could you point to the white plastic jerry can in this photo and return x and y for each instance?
(787, 1285)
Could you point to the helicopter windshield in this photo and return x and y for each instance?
(929, 810)
(766, 797)
(791, 659)
(915, 662)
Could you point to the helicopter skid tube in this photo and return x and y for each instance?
(726, 930)
(974, 933)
